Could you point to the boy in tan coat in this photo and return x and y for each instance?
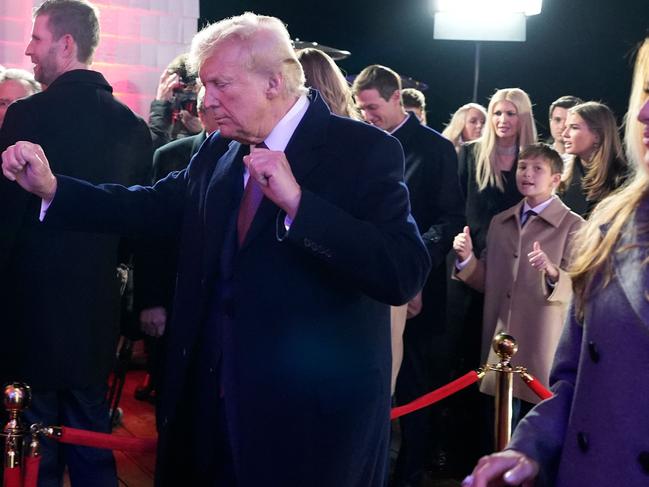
(522, 270)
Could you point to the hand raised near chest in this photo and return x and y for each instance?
(541, 262)
(463, 245)
(273, 172)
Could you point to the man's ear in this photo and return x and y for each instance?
(69, 46)
(556, 180)
(396, 96)
(274, 85)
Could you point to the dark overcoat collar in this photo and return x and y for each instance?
(86, 76)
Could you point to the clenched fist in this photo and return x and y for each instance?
(26, 164)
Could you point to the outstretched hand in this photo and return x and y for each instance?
(463, 245)
(540, 261)
(507, 467)
(25, 163)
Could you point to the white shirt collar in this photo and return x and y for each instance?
(538, 208)
(281, 134)
(403, 122)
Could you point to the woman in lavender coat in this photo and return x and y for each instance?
(594, 431)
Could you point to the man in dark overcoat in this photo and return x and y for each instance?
(295, 235)
(59, 289)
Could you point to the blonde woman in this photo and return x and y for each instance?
(487, 166)
(487, 170)
(466, 124)
(593, 431)
(324, 75)
(598, 166)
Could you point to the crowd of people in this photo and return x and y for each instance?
(313, 250)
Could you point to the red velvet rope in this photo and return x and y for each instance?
(536, 387)
(437, 395)
(13, 477)
(102, 440)
(31, 471)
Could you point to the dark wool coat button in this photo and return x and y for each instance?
(582, 441)
(593, 352)
(643, 460)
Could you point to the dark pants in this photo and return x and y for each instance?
(195, 446)
(424, 367)
(76, 408)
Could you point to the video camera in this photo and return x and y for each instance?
(185, 98)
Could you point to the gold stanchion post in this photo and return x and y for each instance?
(505, 347)
(16, 398)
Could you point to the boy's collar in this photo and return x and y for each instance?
(538, 208)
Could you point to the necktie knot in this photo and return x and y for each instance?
(526, 216)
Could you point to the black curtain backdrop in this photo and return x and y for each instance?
(578, 47)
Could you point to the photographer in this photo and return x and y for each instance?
(173, 113)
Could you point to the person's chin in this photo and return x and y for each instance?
(38, 73)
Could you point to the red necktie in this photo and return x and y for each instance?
(252, 196)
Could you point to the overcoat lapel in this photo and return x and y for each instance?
(222, 200)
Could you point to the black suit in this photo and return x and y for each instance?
(438, 208)
(156, 260)
(289, 333)
(175, 155)
(59, 290)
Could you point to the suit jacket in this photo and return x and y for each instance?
(593, 431)
(156, 259)
(295, 323)
(175, 155)
(437, 207)
(517, 299)
(59, 290)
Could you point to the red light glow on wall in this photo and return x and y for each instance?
(139, 38)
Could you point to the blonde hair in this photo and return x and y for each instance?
(323, 74)
(607, 167)
(633, 128)
(594, 247)
(455, 127)
(487, 172)
(266, 40)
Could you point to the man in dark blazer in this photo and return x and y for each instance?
(156, 259)
(278, 358)
(59, 291)
(438, 209)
